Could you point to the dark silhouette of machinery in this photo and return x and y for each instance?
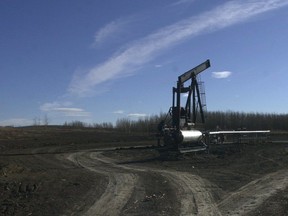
(178, 129)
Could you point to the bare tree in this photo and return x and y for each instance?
(36, 121)
(45, 120)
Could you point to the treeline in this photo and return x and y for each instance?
(214, 120)
(146, 125)
(80, 124)
(127, 125)
(251, 121)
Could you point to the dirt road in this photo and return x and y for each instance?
(193, 194)
(119, 188)
(252, 195)
(66, 171)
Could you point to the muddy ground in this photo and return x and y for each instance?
(68, 171)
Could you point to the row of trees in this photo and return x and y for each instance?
(228, 120)
(80, 124)
(250, 121)
(147, 125)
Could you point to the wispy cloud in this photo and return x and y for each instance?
(46, 107)
(158, 66)
(180, 2)
(111, 29)
(126, 62)
(72, 112)
(106, 31)
(221, 74)
(63, 109)
(185, 95)
(118, 112)
(137, 115)
(130, 115)
(16, 122)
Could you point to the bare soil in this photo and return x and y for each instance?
(68, 171)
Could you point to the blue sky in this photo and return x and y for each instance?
(98, 61)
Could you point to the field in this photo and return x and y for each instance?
(84, 171)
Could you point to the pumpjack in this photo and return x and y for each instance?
(179, 128)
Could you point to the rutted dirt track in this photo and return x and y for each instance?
(118, 191)
(60, 171)
(192, 192)
(252, 195)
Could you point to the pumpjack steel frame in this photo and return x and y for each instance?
(189, 113)
(179, 133)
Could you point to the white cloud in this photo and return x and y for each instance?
(107, 31)
(126, 62)
(71, 111)
(118, 112)
(180, 2)
(68, 109)
(46, 107)
(16, 122)
(158, 66)
(61, 108)
(185, 95)
(221, 75)
(137, 115)
(113, 30)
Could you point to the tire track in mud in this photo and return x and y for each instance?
(118, 191)
(253, 194)
(191, 190)
(193, 193)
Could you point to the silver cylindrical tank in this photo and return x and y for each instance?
(190, 136)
